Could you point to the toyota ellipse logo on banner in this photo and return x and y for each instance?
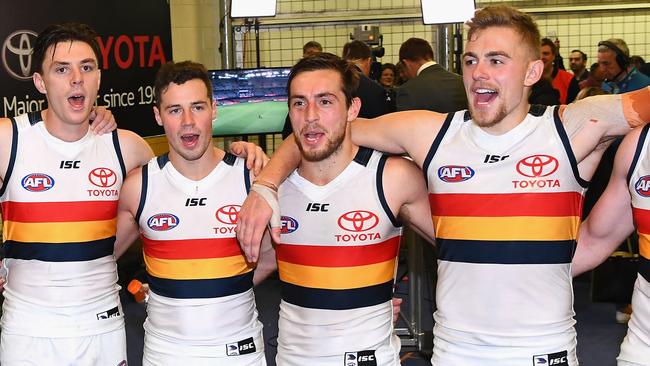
(17, 54)
(357, 221)
(537, 166)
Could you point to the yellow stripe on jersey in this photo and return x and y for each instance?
(59, 232)
(194, 269)
(506, 228)
(337, 278)
(644, 245)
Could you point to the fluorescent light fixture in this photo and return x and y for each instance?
(447, 11)
(252, 8)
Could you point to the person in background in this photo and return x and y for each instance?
(389, 76)
(311, 47)
(375, 101)
(578, 65)
(620, 74)
(562, 80)
(637, 61)
(430, 86)
(595, 78)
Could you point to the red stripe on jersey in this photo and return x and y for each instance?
(506, 204)
(36, 212)
(191, 249)
(343, 256)
(641, 220)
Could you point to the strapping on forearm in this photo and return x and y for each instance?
(271, 197)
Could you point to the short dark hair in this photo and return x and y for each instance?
(178, 73)
(356, 50)
(582, 54)
(312, 44)
(328, 61)
(548, 42)
(416, 49)
(508, 17)
(63, 32)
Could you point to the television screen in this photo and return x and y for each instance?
(252, 8)
(442, 12)
(249, 101)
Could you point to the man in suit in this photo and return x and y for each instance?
(430, 86)
(374, 98)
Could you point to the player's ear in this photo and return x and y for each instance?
(156, 113)
(353, 109)
(534, 72)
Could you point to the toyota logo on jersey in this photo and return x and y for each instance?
(642, 186)
(228, 214)
(163, 222)
(37, 182)
(537, 166)
(102, 177)
(358, 221)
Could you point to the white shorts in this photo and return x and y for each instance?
(386, 355)
(449, 350)
(107, 349)
(635, 349)
(158, 351)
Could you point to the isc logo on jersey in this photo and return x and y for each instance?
(37, 182)
(289, 225)
(455, 173)
(361, 358)
(163, 222)
(642, 186)
(551, 359)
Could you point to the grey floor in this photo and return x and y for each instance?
(599, 336)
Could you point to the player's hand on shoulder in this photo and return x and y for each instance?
(256, 159)
(102, 121)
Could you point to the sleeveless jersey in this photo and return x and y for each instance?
(337, 264)
(201, 285)
(636, 346)
(59, 204)
(506, 211)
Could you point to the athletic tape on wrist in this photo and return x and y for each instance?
(271, 197)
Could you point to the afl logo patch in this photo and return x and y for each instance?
(163, 222)
(537, 166)
(289, 225)
(642, 186)
(37, 182)
(358, 221)
(455, 173)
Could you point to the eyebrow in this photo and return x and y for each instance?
(319, 95)
(489, 54)
(84, 61)
(200, 102)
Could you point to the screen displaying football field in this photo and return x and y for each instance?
(250, 118)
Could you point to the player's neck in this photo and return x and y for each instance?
(64, 131)
(322, 172)
(512, 120)
(199, 168)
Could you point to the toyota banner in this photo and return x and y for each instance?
(134, 40)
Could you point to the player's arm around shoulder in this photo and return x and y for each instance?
(127, 227)
(135, 150)
(6, 133)
(407, 132)
(594, 119)
(407, 196)
(610, 221)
